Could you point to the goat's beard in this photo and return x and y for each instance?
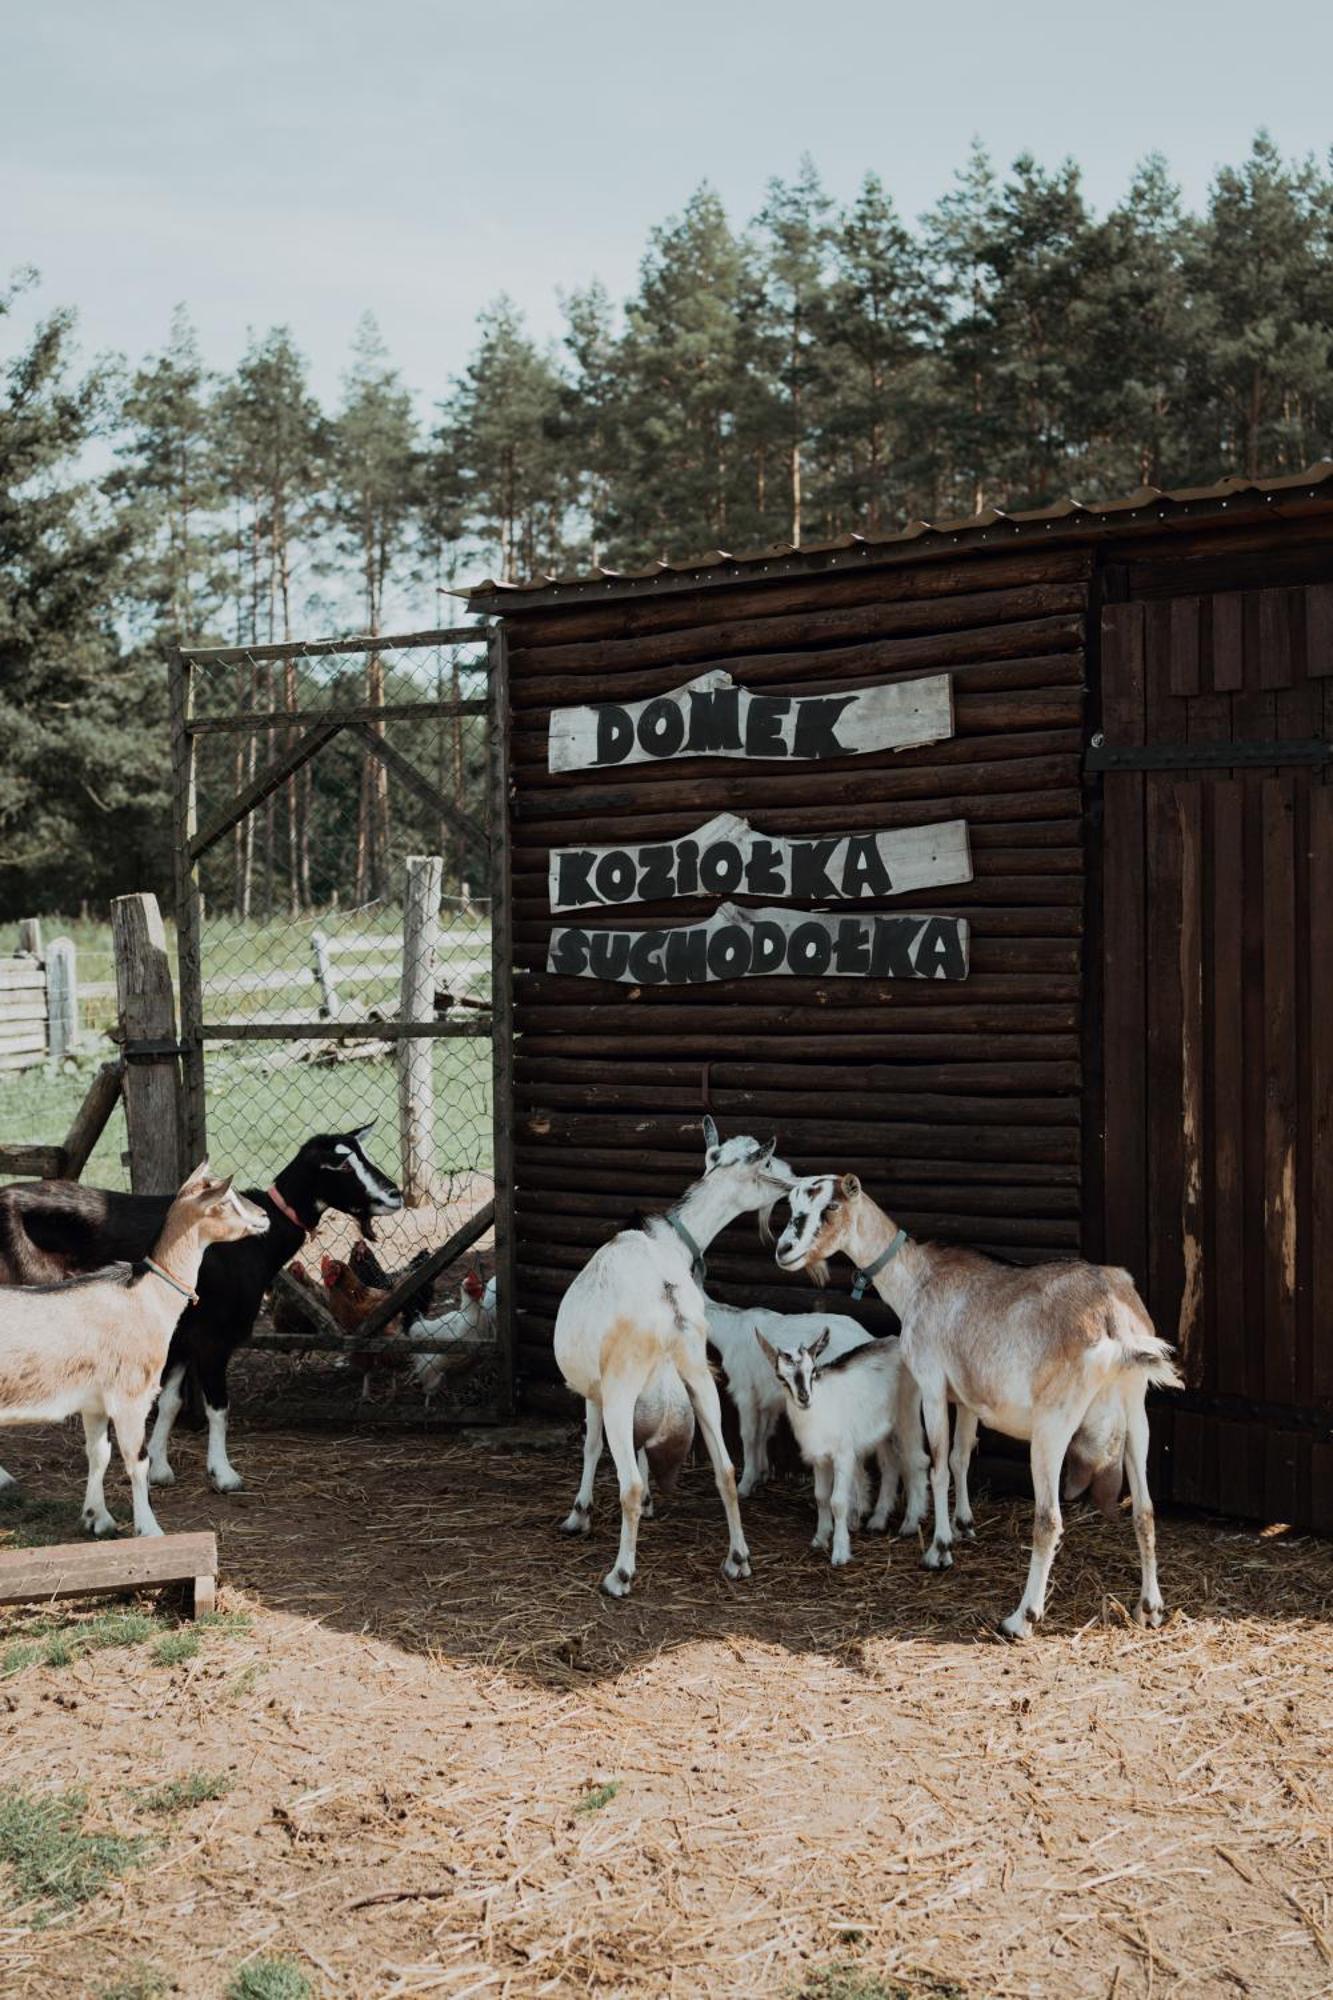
(817, 1272)
(766, 1221)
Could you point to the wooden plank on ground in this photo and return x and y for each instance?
(88, 1569)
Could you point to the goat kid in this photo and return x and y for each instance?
(759, 1399)
(1060, 1355)
(633, 1328)
(97, 1344)
(841, 1410)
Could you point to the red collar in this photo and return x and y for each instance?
(285, 1208)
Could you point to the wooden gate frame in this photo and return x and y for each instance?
(319, 727)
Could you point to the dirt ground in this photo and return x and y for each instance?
(813, 1770)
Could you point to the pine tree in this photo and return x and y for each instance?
(794, 247)
(84, 783)
(959, 232)
(376, 486)
(591, 400)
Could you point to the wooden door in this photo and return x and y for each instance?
(1217, 1031)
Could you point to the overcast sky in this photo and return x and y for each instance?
(299, 160)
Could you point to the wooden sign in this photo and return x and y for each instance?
(728, 858)
(752, 944)
(713, 717)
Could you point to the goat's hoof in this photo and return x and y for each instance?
(1017, 1626)
(577, 1522)
(7, 1480)
(226, 1482)
(161, 1475)
(842, 1560)
(737, 1565)
(1151, 1615)
(938, 1556)
(647, 1512)
(100, 1524)
(154, 1529)
(877, 1525)
(964, 1531)
(616, 1583)
(910, 1526)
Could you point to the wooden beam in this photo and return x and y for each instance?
(189, 908)
(407, 774)
(88, 1569)
(269, 780)
(291, 649)
(286, 718)
(412, 1281)
(416, 1071)
(502, 1009)
(146, 1011)
(43, 1163)
(351, 1031)
(99, 1101)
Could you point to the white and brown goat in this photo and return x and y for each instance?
(631, 1339)
(97, 1345)
(1060, 1355)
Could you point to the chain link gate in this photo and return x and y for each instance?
(343, 952)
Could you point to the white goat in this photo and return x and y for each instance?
(841, 1410)
(473, 1318)
(98, 1344)
(758, 1396)
(635, 1318)
(1060, 1354)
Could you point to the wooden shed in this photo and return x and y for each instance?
(1135, 1061)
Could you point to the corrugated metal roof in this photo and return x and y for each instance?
(1067, 517)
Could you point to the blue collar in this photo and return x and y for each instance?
(698, 1268)
(885, 1257)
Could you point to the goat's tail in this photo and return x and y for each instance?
(1141, 1346)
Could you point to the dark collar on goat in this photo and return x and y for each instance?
(698, 1268)
(284, 1207)
(872, 1270)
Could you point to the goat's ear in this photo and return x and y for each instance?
(710, 1134)
(768, 1348)
(219, 1190)
(769, 1151)
(850, 1186)
(818, 1348)
(197, 1178)
(359, 1132)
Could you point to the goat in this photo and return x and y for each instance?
(759, 1398)
(97, 1344)
(841, 1410)
(633, 1325)
(56, 1229)
(472, 1319)
(1060, 1355)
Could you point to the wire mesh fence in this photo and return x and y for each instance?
(344, 946)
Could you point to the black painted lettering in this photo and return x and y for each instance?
(809, 949)
(687, 956)
(891, 951)
(645, 958)
(715, 719)
(729, 952)
(864, 873)
(687, 867)
(763, 725)
(655, 882)
(810, 878)
(721, 868)
(940, 953)
(816, 716)
(615, 734)
(851, 945)
(569, 951)
(608, 953)
(770, 946)
(574, 878)
(662, 728)
(766, 874)
(615, 876)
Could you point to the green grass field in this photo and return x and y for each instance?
(260, 1103)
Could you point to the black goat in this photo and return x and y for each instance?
(55, 1229)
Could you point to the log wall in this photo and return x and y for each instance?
(960, 1103)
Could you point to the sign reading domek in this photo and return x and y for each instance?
(737, 943)
(728, 858)
(713, 717)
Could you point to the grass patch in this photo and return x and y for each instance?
(53, 1863)
(197, 1788)
(598, 1796)
(846, 1981)
(28, 1523)
(59, 1642)
(269, 1979)
(173, 1647)
(243, 1683)
(223, 1621)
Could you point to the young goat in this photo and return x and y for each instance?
(98, 1344)
(758, 1396)
(1060, 1355)
(633, 1327)
(841, 1410)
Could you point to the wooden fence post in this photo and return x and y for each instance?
(146, 1009)
(502, 1016)
(329, 1003)
(30, 936)
(189, 907)
(62, 999)
(416, 1053)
